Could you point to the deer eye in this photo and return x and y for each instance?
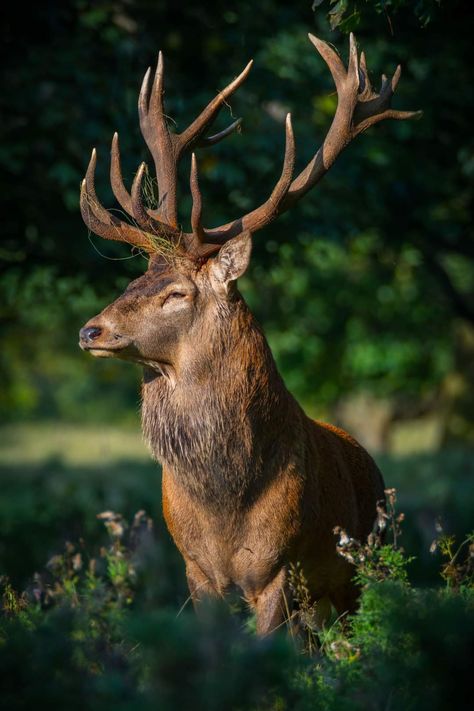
(173, 295)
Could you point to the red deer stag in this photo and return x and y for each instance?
(250, 483)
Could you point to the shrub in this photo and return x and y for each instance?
(101, 630)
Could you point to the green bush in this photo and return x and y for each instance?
(101, 629)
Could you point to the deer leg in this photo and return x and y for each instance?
(273, 606)
(200, 586)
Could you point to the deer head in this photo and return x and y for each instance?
(163, 317)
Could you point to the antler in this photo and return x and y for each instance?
(359, 107)
(167, 149)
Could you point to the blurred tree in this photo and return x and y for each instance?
(343, 14)
(365, 287)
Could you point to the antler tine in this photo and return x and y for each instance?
(386, 85)
(205, 141)
(271, 206)
(139, 211)
(196, 244)
(374, 108)
(391, 86)
(100, 221)
(365, 87)
(353, 66)
(196, 213)
(144, 95)
(270, 209)
(195, 130)
(116, 180)
(155, 103)
(332, 59)
(118, 187)
(161, 143)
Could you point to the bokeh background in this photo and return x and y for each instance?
(365, 291)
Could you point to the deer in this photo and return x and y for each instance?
(250, 484)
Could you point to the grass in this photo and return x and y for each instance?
(56, 479)
(34, 444)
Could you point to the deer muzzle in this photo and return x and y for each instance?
(102, 342)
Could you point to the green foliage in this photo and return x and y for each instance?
(376, 560)
(42, 369)
(346, 14)
(111, 636)
(96, 630)
(458, 573)
(49, 500)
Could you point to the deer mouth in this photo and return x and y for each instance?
(121, 347)
(115, 346)
(102, 352)
(93, 340)
(130, 354)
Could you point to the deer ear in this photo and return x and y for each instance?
(232, 260)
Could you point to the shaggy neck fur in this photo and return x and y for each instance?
(218, 427)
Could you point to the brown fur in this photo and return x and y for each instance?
(250, 483)
(258, 485)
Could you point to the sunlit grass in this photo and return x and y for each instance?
(73, 445)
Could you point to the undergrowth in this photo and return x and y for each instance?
(99, 630)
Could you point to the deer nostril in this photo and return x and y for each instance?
(90, 333)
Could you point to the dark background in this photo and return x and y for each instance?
(364, 290)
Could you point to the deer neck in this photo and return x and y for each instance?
(217, 424)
